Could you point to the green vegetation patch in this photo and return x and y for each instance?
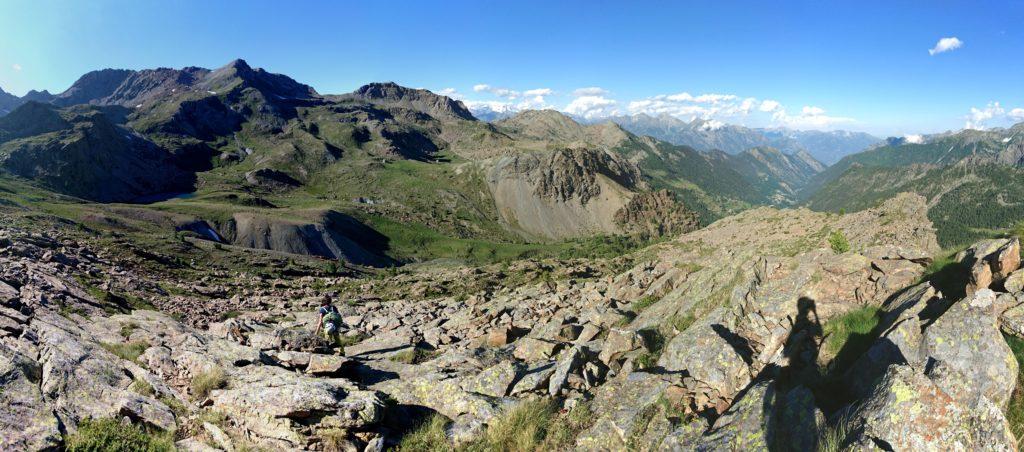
(204, 382)
(837, 240)
(128, 351)
(110, 435)
(1015, 410)
(850, 334)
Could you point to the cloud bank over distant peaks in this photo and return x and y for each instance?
(993, 115)
(595, 103)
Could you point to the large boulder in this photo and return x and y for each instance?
(967, 339)
(907, 411)
(278, 406)
(25, 420)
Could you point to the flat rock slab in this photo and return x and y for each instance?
(379, 344)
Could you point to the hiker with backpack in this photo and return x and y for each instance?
(329, 321)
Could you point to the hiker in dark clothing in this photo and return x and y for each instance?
(329, 320)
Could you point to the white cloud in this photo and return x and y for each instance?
(978, 117)
(590, 91)
(16, 67)
(714, 109)
(1016, 114)
(450, 92)
(591, 107)
(812, 111)
(477, 106)
(913, 139)
(714, 98)
(769, 105)
(810, 117)
(945, 45)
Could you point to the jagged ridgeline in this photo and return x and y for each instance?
(972, 180)
(237, 153)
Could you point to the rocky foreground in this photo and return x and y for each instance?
(712, 341)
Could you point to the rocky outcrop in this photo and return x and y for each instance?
(92, 158)
(328, 234)
(564, 193)
(441, 107)
(656, 214)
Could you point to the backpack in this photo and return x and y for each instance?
(332, 320)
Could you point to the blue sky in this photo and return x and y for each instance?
(851, 65)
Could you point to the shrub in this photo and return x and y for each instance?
(837, 240)
(204, 382)
(110, 435)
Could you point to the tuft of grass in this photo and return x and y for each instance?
(850, 335)
(1015, 410)
(643, 303)
(563, 430)
(128, 328)
(334, 439)
(229, 315)
(142, 387)
(430, 436)
(519, 429)
(343, 341)
(204, 382)
(179, 409)
(948, 275)
(837, 240)
(655, 340)
(129, 351)
(832, 436)
(110, 435)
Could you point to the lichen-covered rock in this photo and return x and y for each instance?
(25, 420)
(907, 411)
(619, 342)
(277, 405)
(326, 364)
(495, 381)
(535, 378)
(966, 337)
(617, 406)
(445, 395)
(531, 350)
(766, 419)
(568, 363)
(1014, 283)
(705, 352)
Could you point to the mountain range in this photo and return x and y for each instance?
(825, 146)
(228, 145)
(705, 135)
(972, 180)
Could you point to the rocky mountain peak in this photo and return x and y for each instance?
(93, 86)
(239, 73)
(436, 105)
